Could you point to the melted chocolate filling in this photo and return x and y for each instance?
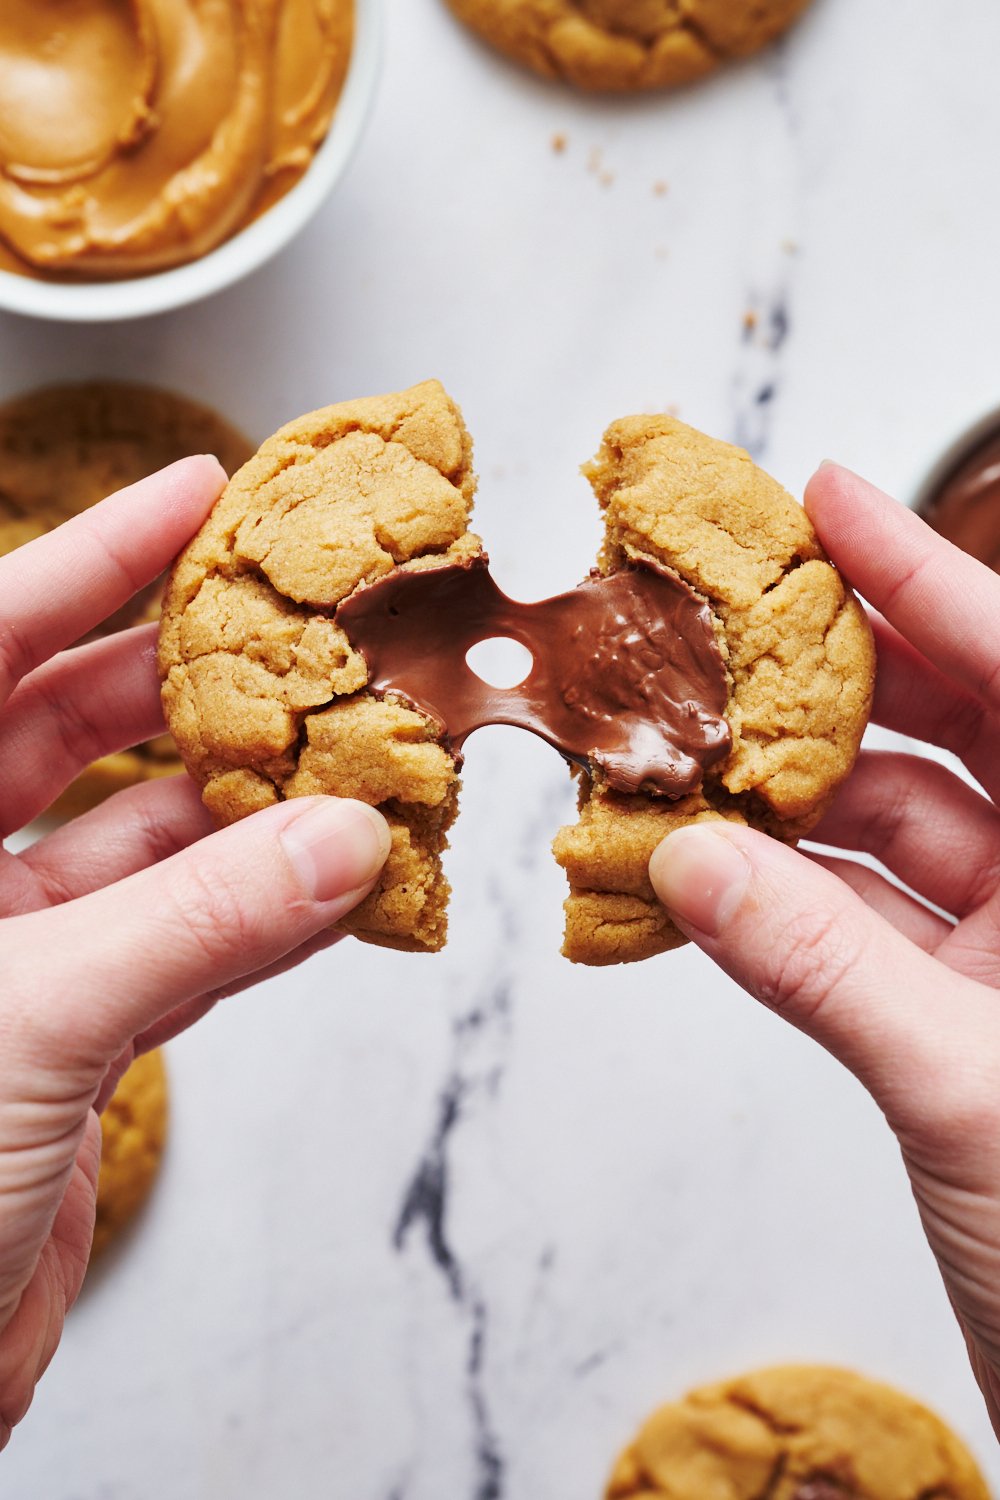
(626, 674)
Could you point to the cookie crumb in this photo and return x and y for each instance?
(559, 142)
(595, 160)
(606, 179)
(660, 189)
(749, 321)
(790, 247)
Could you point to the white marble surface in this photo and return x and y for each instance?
(451, 1226)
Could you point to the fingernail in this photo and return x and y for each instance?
(827, 463)
(701, 878)
(336, 846)
(215, 459)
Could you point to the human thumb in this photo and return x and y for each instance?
(802, 942)
(91, 974)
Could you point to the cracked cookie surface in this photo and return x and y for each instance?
(267, 697)
(800, 661)
(262, 689)
(627, 44)
(64, 448)
(796, 1432)
(133, 1130)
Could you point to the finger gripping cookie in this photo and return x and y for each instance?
(62, 449)
(315, 631)
(627, 44)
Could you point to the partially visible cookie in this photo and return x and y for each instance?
(63, 448)
(796, 1432)
(627, 44)
(133, 1129)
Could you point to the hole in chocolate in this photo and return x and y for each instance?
(501, 662)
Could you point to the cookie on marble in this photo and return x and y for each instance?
(796, 1432)
(268, 698)
(627, 44)
(63, 448)
(133, 1130)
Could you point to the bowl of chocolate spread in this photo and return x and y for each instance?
(154, 152)
(960, 497)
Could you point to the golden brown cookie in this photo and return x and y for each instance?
(262, 690)
(267, 697)
(801, 669)
(133, 1128)
(62, 449)
(796, 1432)
(627, 44)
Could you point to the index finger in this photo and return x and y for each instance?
(943, 601)
(57, 588)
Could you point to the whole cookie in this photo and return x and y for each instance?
(268, 695)
(62, 449)
(796, 1432)
(627, 44)
(133, 1128)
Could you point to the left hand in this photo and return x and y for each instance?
(126, 925)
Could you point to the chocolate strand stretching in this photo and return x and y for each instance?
(626, 674)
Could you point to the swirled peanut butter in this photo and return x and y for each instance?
(138, 134)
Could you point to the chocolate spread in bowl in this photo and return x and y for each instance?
(965, 506)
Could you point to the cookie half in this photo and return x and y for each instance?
(133, 1130)
(796, 1432)
(627, 44)
(800, 663)
(262, 689)
(268, 696)
(65, 447)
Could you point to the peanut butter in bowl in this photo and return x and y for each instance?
(139, 135)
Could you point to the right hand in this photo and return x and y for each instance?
(905, 997)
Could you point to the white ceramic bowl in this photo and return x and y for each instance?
(138, 296)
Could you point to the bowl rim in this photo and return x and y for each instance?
(949, 455)
(140, 296)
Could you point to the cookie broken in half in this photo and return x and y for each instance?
(275, 682)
